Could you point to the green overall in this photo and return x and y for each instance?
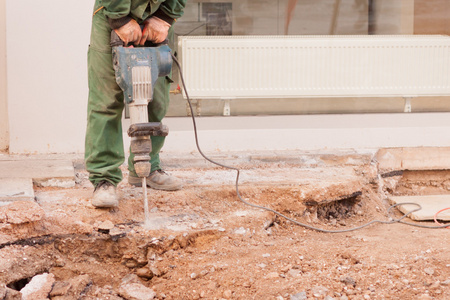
(104, 152)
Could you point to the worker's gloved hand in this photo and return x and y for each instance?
(130, 32)
(155, 30)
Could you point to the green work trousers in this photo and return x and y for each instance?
(104, 152)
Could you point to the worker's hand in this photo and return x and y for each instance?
(130, 32)
(155, 30)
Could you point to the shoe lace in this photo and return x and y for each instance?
(102, 183)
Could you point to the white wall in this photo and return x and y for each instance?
(4, 134)
(47, 43)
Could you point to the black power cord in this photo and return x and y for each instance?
(392, 221)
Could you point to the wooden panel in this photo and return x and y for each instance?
(432, 17)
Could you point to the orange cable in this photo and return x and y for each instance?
(435, 216)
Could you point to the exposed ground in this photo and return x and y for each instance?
(204, 243)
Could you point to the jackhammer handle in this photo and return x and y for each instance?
(116, 41)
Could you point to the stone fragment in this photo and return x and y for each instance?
(12, 294)
(20, 212)
(117, 233)
(299, 296)
(212, 286)
(294, 272)
(2, 291)
(39, 287)
(348, 280)
(227, 294)
(78, 287)
(145, 273)
(429, 271)
(319, 291)
(106, 225)
(136, 291)
(60, 288)
(435, 285)
(241, 231)
(272, 275)
(157, 272)
(130, 278)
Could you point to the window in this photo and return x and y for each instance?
(313, 17)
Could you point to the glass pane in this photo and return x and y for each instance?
(312, 17)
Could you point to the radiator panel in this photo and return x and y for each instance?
(315, 66)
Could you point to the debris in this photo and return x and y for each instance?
(262, 266)
(294, 272)
(130, 278)
(2, 291)
(20, 212)
(299, 296)
(60, 288)
(79, 285)
(116, 233)
(227, 294)
(39, 287)
(106, 226)
(13, 294)
(319, 291)
(136, 291)
(144, 273)
(156, 272)
(240, 230)
(348, 280)
(429, 271)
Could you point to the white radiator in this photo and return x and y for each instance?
(315, 66)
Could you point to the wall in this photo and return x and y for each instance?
(4, 134)
(47, 96)
(47, 77)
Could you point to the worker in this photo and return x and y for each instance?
(103, 143)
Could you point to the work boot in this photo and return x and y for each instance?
(105, 195)
(158, 180)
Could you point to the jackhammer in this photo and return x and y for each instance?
(137, 70)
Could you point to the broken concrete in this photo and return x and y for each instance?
(39, 287)
(424, 158)
(21, 212)
(430, 204)
(136, 291)
(50, 172)
(75, 288)
(16, 189)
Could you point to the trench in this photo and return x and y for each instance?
(108, 256)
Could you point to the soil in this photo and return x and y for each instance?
(204, 243)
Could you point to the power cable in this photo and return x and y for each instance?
(391, 221)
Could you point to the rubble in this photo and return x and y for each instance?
(20, 212)
(39, 287)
